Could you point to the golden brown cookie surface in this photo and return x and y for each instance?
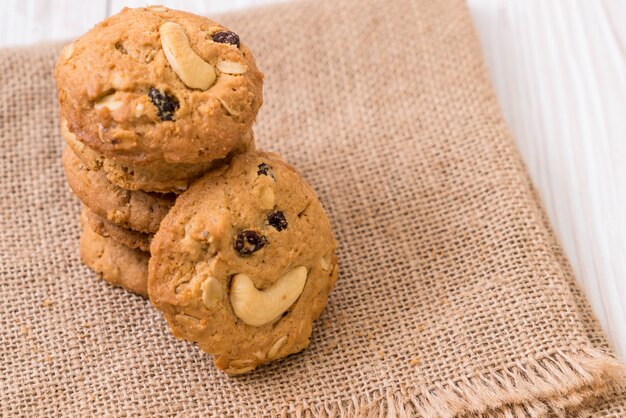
(244, 262)
(154, 84)
(116, 263)
(157, 177)
(128, 237)
(136, 210)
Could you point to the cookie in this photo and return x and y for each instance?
(244, 262)
(156, 177)
(114, 262)
(158, 85)
(128, 237)
(136, 210)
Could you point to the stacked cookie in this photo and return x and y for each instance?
(229, 243)
(150, 100)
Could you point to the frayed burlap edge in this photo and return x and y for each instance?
(557, 384)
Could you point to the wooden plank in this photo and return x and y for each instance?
(201, 7)
(29, 21)
(25, 22)
(559, 69)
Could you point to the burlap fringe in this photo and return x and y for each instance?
(559, 384)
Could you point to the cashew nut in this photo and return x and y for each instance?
(157, 9)
(192, 70)
(69, 136)
(109, 102)
(234, 370)
(68, 51)
(278, 344)
(101, 131)
(194, 240)
(211, 292)
(266, 197)
(187, 321)
(139, 110)
(230, 110)
(117, 81)
(239, 364)
(232, 67)
(324, 264)
(258, 307)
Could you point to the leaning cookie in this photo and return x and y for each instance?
(116, 263)
(136, 210)
(155, 177)
(244, 262)
(153, 84)
(128, 237)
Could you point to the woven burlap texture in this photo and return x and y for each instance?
(453, 299)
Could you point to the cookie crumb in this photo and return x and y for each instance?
(415, 361)
(47, 303)
(25, 330)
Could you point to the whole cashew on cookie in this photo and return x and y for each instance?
(190, 68)
(258, 307)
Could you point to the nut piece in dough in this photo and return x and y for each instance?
(273, 351)
(109, 102)
(259, 307)
(231, 67)
(324, 264)
(211, 292)
(192, 70)
(68, 51)
(235, 371)
(266, 197)
(158, 9)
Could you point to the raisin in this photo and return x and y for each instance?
(264, 170)
(120, 47)
(277, 220)
(226, 37)
(166, 105)
(249, 241)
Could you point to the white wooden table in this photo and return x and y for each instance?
(559, 70)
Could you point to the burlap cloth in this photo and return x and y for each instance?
(453, 297)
